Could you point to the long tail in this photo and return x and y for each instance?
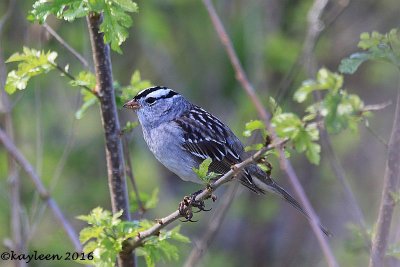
(268, 184)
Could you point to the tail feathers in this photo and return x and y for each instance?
(270, 185)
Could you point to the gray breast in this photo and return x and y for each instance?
(164, 142)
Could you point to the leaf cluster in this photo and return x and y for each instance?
(32, 62)
(375, 46)
(116, 20)
(339, 109)
(106, 234)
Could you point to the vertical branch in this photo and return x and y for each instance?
(112, 131)
(284, 162)
(315, 28)
(390, 186)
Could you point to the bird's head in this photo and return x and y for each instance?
(156, 105)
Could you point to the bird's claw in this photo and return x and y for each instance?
(186, 205)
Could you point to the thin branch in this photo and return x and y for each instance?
(43, 193)
(315, 28)
(129, 172)
(284, 162)
(72, 78)
(214, 225)
(390, 186)
(78, 56)
(309, 42)
(205, 194)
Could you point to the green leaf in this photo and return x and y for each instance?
(288, 125)
(350, 65)
(116, 20)
(84, 78)
(30, 63)
(149, 201)
(326, 80)
(62, 9)
(254, 125)
(202, 171)
(123, 94)
(377, 46)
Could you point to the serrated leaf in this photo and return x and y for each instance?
(30, 63)
(202, 171)
(127, 5)
(254, 125)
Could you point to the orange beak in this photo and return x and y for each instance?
(132, 104)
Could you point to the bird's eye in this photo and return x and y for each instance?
(150, 100)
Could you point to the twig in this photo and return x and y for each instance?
(129, 172)
(390, 186)
(71, 77)
(284, 162)
(315, 28)
(78, 56)
(309, 42)
(43, 193)
(215, 224)
(206, 193)
(111, 126)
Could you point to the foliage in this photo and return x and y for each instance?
(116, 20)
(149, 200)
(202, 171)
(88, 80)
(339, 109)
(104, 237)
(377, 46)
(31, 63)
(125, 93)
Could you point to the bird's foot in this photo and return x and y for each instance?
(188, 202)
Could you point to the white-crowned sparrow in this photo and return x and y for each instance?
(182, 135)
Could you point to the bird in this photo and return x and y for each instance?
(181, 135)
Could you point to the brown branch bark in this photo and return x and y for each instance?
(43, 193)
(390, 186)
(284, 162)
(112, 131)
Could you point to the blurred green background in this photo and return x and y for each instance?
(173, 43)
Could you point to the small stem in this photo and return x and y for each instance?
(78, 56)
(71, 77)
(129, 172)
(390, 186)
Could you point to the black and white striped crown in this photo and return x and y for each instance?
(156, 92)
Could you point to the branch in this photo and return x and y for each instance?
(78, 56)
(213, 227)
(284, 162)
(129, 172)
(205, 194)
(315, 28)
(110, 120)
(390, 186)
(43, 193)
